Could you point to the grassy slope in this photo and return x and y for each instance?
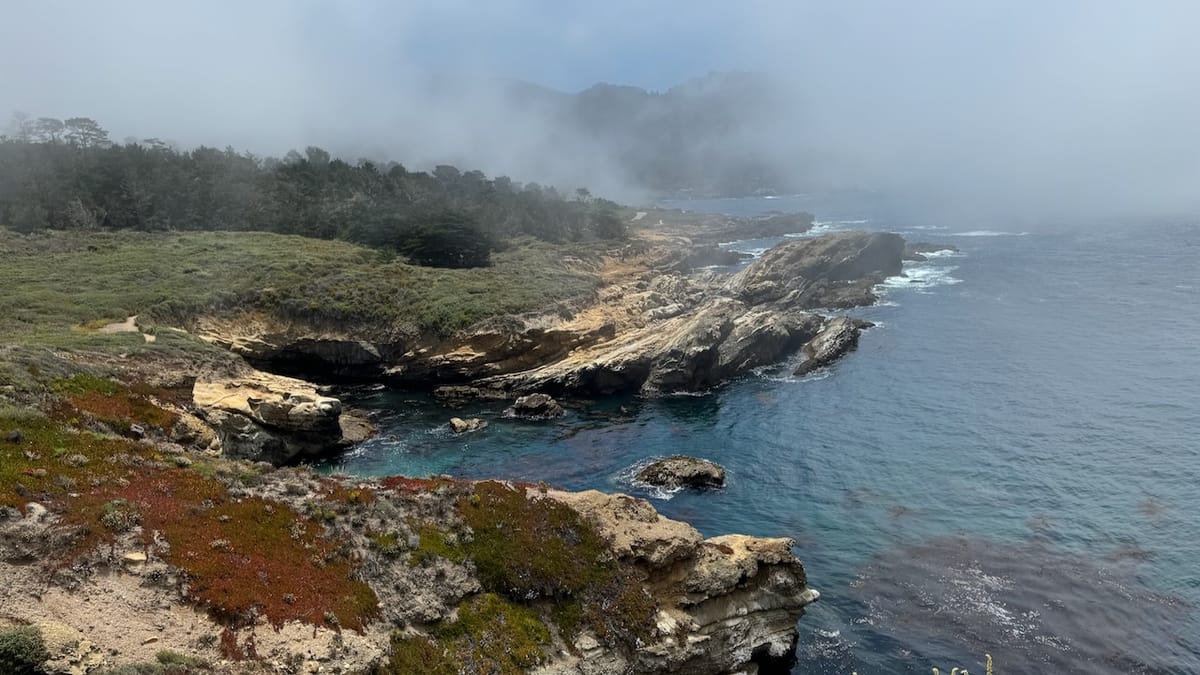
(59, 280)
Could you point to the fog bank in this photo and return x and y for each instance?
(1068, 109)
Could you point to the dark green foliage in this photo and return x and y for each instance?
(573, 575)
(491, 635)
(450, 240)
(22, 651)
(66, 175)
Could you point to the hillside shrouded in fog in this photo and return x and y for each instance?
(1073, 108)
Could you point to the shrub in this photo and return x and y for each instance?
(22, 651)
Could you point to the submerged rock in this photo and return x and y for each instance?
(839, 336)
(465, 426)
(683, 471)
(535, 407)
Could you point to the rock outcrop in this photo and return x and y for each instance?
(836, 338)
(807, 273)
(272, 418)
(535, 407)
(721, 327)
(726, 604)
(465, 426)
(682, 471)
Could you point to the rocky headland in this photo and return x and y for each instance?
(652, 331)
(147, 510)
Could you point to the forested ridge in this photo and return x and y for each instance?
(68, 174)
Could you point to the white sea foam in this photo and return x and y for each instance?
(628, 476)
(922, 278)
(987, 233)
(943, 253)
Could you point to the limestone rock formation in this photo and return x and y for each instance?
(683, 471)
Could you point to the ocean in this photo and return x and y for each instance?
(1009, 464)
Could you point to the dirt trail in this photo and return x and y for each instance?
(127, 326)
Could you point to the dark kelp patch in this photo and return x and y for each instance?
(1034, 607)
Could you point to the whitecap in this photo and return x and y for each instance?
(943, 253)
(921, 278)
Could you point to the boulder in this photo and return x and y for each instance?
(535, 407)
(683, 471)
(838, 336)
(465, 426)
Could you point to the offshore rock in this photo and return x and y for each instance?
(465, 426)
(535, 407)
(683, 471)
(839, 336)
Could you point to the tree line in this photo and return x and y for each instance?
(61, 174)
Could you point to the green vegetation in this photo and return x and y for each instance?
(22, 651)
(573, 576)
(242, 557)
(68, 175)
(490, 635)
(168, 278)
(116, 405)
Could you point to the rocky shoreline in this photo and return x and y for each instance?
(438, 556)
(661, 332)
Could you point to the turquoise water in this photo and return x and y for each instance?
(1008, 464)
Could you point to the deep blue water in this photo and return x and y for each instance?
(1008, 464)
